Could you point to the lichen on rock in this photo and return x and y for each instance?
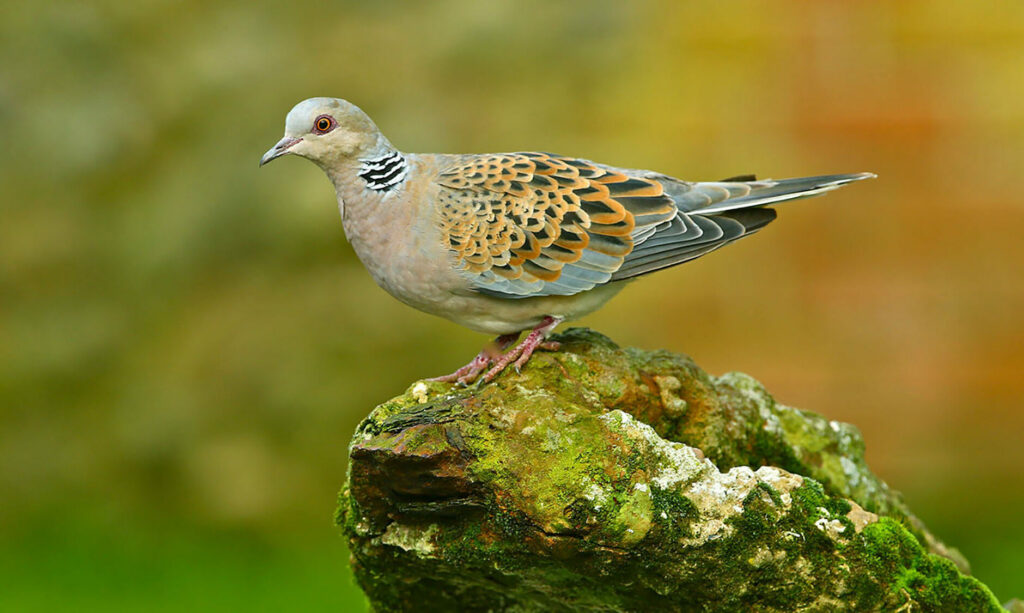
(609, 479)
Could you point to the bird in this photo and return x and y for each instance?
(506, 243)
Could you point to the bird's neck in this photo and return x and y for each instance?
(369, 189)
(379, 169)
(379, 217)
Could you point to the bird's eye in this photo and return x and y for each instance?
(323, 124)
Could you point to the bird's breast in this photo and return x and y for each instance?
(398, 242)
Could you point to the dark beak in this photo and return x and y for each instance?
(279, 149)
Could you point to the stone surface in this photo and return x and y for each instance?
(611, 479)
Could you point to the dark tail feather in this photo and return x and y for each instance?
(766, 192)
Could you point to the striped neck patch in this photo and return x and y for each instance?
(384, 173)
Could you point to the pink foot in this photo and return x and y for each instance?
(471, 371)
(520, 354)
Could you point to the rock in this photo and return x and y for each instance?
(614, 479)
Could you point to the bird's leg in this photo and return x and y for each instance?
(520, 354)
(488, 354)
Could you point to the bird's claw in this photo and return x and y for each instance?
(491, 355)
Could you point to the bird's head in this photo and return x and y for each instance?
(327, 131)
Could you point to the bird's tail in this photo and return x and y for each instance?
(742, 193)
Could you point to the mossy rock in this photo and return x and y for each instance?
(620, 480)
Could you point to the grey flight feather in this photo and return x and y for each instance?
(709, 215)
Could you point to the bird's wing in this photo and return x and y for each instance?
(537, 224)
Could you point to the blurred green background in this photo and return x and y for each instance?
(187, 342)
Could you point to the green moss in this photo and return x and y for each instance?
(511, 525)
(897, 561)
(673, 512)
(758, 520)
(633, 519)
(346, 513)
(467, 544)
(809, 496)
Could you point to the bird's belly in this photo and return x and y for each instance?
(506, 316)
(430, 285)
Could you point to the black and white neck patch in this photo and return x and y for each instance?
(384, 173)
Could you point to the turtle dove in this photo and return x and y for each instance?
(507, 242)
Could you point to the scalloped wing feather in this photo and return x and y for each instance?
(531, 224)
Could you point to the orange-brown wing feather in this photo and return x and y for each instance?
(533, 224)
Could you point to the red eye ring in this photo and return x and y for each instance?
(323, 124)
